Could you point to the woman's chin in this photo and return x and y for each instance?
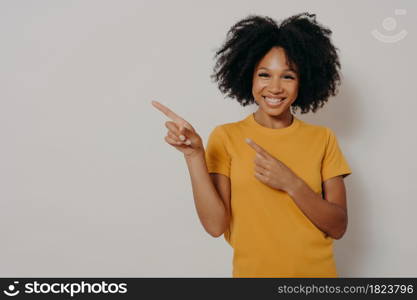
(273, 112)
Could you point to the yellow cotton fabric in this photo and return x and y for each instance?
(270, 235)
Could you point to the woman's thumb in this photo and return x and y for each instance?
(187, 133)
(185, 129)
(188, 126)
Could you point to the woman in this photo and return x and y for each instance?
(271, 183)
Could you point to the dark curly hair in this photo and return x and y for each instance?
(307, 46)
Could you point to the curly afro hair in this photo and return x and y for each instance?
(307, 46)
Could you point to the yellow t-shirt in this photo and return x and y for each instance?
(270, 235)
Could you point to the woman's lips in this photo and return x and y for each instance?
(273, 102)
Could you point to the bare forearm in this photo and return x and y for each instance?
(209, 206)
(328, 217)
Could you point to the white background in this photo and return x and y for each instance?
(88, 186)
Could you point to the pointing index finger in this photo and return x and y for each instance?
(257, 148)
(169, 113)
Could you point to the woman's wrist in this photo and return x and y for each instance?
(196, 154)
(294, 186)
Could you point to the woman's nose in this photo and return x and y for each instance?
(275, 86)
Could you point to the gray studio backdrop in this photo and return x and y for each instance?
(88, 186)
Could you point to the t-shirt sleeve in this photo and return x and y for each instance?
(334, 162)
(217, 157)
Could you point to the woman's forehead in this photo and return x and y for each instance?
(276, 59)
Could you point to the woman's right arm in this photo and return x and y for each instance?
(211, 192)
(211, 195)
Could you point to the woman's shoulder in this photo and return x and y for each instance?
(314, 129)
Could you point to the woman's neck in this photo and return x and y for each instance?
(274, 122)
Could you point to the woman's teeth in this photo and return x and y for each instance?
(273, 100)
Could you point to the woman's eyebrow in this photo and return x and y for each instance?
(291, 70)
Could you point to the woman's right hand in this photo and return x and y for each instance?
(181, 135)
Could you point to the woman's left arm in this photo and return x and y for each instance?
(329, 214)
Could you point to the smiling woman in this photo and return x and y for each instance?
(260, 180)
(274, 88)
(308, 51)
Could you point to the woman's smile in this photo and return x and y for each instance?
(274, 102)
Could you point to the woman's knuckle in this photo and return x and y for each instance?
(171, 134)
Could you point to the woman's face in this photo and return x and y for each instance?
(275, 84)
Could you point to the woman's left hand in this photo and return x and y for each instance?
(272, 171)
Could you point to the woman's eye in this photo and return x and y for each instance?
(267, 75)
